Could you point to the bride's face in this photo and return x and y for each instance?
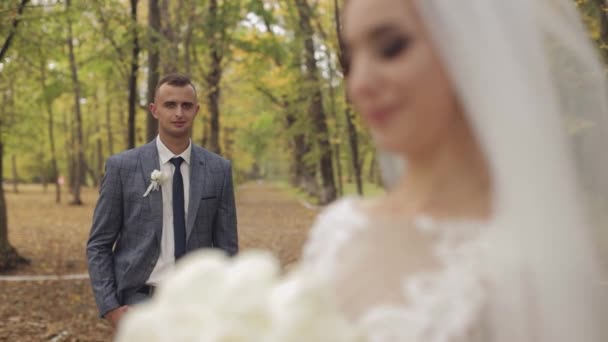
(395, 78)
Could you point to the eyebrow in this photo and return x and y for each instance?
(382, 30)
(176, 102)
(376, 33)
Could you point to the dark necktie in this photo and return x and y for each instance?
(179, 213)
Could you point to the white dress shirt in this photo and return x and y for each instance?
(166, 259)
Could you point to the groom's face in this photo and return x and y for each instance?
(175, 108)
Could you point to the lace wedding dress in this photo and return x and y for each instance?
(410, 280)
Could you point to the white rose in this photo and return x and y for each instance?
(156, 179)
(303, 310)
(211, 297)
(157, 176)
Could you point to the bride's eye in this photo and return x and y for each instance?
(394, 47)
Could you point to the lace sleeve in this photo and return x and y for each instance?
(327, 234)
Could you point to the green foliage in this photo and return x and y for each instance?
(262, 84)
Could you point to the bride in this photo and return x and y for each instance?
(492, 116)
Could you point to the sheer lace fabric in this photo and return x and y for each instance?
(410, 280)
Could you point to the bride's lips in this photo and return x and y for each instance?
(379, 116)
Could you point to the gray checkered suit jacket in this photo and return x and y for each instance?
(124, 243)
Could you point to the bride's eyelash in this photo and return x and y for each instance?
(394, 47)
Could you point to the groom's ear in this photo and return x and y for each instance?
(152, 107)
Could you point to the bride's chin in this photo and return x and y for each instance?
(393, 145)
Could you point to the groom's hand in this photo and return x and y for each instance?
(115, 315)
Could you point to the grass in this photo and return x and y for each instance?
(294, 192)
(369, 189)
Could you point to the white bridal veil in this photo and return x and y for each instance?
(535, 93)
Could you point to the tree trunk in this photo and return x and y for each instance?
(213, 79)
(68, 145)
(228, 141)
(10, 116)
(188, 39)
(15, 175)
(99, 164)
(372, 169)
(375, 176)
(43, 170)
(203, 115)
(353, 137)
(205, 137)
(338, 142)
(349, 175)
(353, 140)
(153, 64)
(338, 165)
(88, 170)
(301, 175)
(305, 172)
(316, 110)
(124, 123)
(51, 123)
(76, 87)
(109, 121)
(133, 75)
(213, 106)
(170, 55)
(76, 165)
(9, 258)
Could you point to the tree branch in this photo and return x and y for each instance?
(13, 30)
(105, 30)
(270, 96)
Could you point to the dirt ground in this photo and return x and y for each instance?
(53, 237)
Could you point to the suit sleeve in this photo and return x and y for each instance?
(107, 222)
(225, 234)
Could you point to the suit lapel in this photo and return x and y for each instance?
(198, 173)
(149, 162)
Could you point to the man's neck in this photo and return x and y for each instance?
(177, 145)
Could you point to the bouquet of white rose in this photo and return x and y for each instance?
(211, 297)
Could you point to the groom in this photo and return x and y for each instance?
(136, 239)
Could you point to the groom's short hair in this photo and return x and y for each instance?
(176, 80)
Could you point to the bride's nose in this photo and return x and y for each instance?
(362, 80)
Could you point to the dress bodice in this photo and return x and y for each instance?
(401, 280)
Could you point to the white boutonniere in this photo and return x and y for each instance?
(156, 180)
